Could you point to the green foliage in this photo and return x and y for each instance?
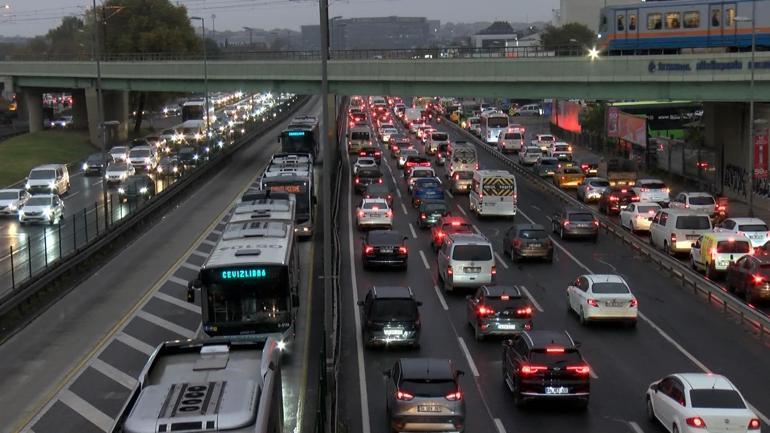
(147, 26)
(557, 38)
(592, 118)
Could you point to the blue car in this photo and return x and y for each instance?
(427, 188)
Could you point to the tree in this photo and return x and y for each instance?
(592, 118)
(567, 38)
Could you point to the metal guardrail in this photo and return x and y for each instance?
(686, 276)
(19, 299)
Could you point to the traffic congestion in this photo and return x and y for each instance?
(481, 302)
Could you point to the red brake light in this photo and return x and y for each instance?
(524, 312)
(494, 270)
(566, 223)
(485, 311)
(696, 422)
(402, 395)
(455, 223)
(554, 350)
(389, 214)
(673, 238)
(362, 153)
(449, 270)
(579, 369)
(423, 216)
(517, 242)
(592, 302)
(758, 279)
(504, 297)
(358, 180)
(455, 396)
(369, 249)
(532, 369)
(754, 424)
(633, 303)
(361, 214)
(596, 223)
(614, 198)
(379, 180)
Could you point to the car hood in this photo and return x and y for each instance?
(36, 208)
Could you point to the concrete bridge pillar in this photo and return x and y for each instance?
(7, 87)
(33, 102)
(79, 109)
(115, 106)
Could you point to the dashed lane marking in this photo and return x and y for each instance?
(467, 353)
(88, 411)
(531, 298)
(411, 228)
(406, 211)
(424, 260)
(216, 232)
(501, 260)
(190, 266)
(178, 302)
(113, 373)
(200, 254)
(499, 425)
(135, 343)
(462, 211)
(163, 323)
(635, 427)
(177, 280)
(208, 242)
(449, 193)
(441, 298)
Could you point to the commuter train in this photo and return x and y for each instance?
(684, 26)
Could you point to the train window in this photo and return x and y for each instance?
(654, 21)
(621, 23)
(692, 20)
(729, 17)
(716, 17)
(632, 22)
(672, 20)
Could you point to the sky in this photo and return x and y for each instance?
(35, 17)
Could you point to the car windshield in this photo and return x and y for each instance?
(702, 200)
(365, 161)
(465, 175)
(716, 399)
(433, 207)
(409, 152)
(600, 183)
(693, 222)
(472, 252)
(398, 309)
(554, 358)
(39, 201)
(609, 288)
(369, 173)
(581, 217)
(439, 136)
(375, 205)
(533, 234)
(117, 167)
(427, 183)
(753, 228)
(428, 388)
(733, 247)
(548, 162)
(9, 195)
(359, 136)
(140, 153)
(42, 174)
(652, 185)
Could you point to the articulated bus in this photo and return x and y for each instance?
(300, 183)
(249, 284)
(492, 124)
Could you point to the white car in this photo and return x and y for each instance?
(530, 155)
(602, 297)
(386, 133)
(637, 217)
(11, 200)
(406, 153)
(510, 141)
(592, 189)
(119, 153)
(654, 190)
(364, 162)
(695, 201)
(561, 151)
(699, 403)
(417, 173)
(42, 208)
(118, 172)
(543, 141)
(170, 135)
(374, 213)
(143, 157)
(753, 228)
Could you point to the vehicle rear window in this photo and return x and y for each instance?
(9, 195)
(398, 309)
(568, 357)
(439, 136)
(375, 204)
(427, 183)
(472, 252)
(753, 228)
(499, 304)
(609, 288)
(359, 136)
(434, 207)
(573, 170)
(549, 162)
(533, 150)
(423, 173)
(465, 175)
(648, 209)
(428, 388)
(533, 234)
(716, 399)
(459, 228)
(561, 148)
(701, 200)
(42, 174)
(546, 138)
(581, 217)
(653, 185)
(369, 173)
(385, 238)
(600, 183)
(734, 247)
(693, 222)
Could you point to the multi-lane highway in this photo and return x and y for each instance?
(72, 369)
(677, 331)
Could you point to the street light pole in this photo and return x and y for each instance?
(99, 112)
(205, 73)
(752, 136)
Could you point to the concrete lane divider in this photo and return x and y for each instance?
(688, 278)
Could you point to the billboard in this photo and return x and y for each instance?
(627, 127)
(760, 152)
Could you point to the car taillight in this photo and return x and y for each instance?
(635, 198)
(596, 223)
(524, 312)
(673, 238)
(566, 223)
(633, 303)
(361, 214)
(379, 180)
(440, 234)
(532, 369)
(477, 166)
(423, 215)
(377, 153)
(667, 190)
(696, 422)
(402, 395)
(361, 153)
(483, 310)
(369, 249)
(454, 396)
(758, 279)
(579, 369)
(357, 180)
(592, 302)
(389, 214)
(494, 270)
(449, 270)
(614, 198)
(517, 242)
(754, 424)
(403, 250)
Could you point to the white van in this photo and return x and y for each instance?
(493, 192)
(193, 130)
(529, 110)
(675, 230)
(358, 138)
(465, 260)
(463, 158)
(49, 178)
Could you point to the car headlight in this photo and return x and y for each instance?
(197, 136)
(26, 185)
(106, 175)
(143, 190)
(160, 169)
(85, 166)
(47, 212)
(220, 143)
(121, 191)
(123, 176)
(12, 207)
(207, 149)
(195, 157)
(176, 169)
(51, 185)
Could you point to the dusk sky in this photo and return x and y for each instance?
(34, 17)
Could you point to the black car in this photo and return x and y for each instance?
(391, 317)
(95, 163)
(188, 157)
(365, 177)
(396, 142)
(613, 200)
(137, 187)
(498, 310)
(379, 190)
(527, 240)
(169, 166)
(574, 222)
(749, 277)
(384, 248)
(429, 212)
(545, 365)
(372, 152)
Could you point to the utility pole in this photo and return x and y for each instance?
(99, 112)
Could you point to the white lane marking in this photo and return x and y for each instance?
(411, 228)
(96, 183)
(449, 193)
(178, 302)
(424, 260)
(134, 343)
(462, 211)
(591, 371)
(535, 207)
(163, 323)
(177, 280)
(398, 192)
(406, 211)
(190, 266)
(478, 230)
(86, 409)
(113, 373)
(467, 353)
(635, 427)
(501, 260)
(200, 254)
(208, 242)
(499, 425)
(531, 298)
(365, 423)
(441, 298)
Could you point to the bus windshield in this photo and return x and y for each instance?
(297, 141)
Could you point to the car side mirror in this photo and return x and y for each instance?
(360, 303)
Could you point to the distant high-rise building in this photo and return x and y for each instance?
(585, 12)
(373, 33)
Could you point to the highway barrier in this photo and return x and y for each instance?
(688, 278)
(78, 244)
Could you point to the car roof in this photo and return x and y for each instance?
(747, 220)
(726, 235)
(541, 339)
(48, 167)
(649, 180)
(451, 218)
(373, 235)
(575, 210)
(706, 380)
(468, 238)
(374, 200)
(426, 368)
(604, 278)
(392, 292)
(697, 194)
(498, 290)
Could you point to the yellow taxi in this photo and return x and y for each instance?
(568, 176)
(712, 253)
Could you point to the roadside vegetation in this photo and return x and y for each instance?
(19, 154)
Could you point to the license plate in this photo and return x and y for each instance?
(472, 270)
(692, 237)
(507, 326)
(755, 237)
(428, 408)
(535, 245)
(386, 250)
(614, 304)
(375, 215)
(393, 332)
(556, 390)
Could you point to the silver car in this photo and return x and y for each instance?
(42, 208)
(374, 213)
(424, 394)
(118, 172)
(592, 188)
(119, 153)
(465, 260)
(11, 200)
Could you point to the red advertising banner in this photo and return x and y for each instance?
(760, 152)
(632, 129)
(566, 115)
(612, 121)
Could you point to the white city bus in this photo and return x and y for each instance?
(492, 124)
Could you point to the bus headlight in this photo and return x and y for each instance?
(281, 345)
(143, 190)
